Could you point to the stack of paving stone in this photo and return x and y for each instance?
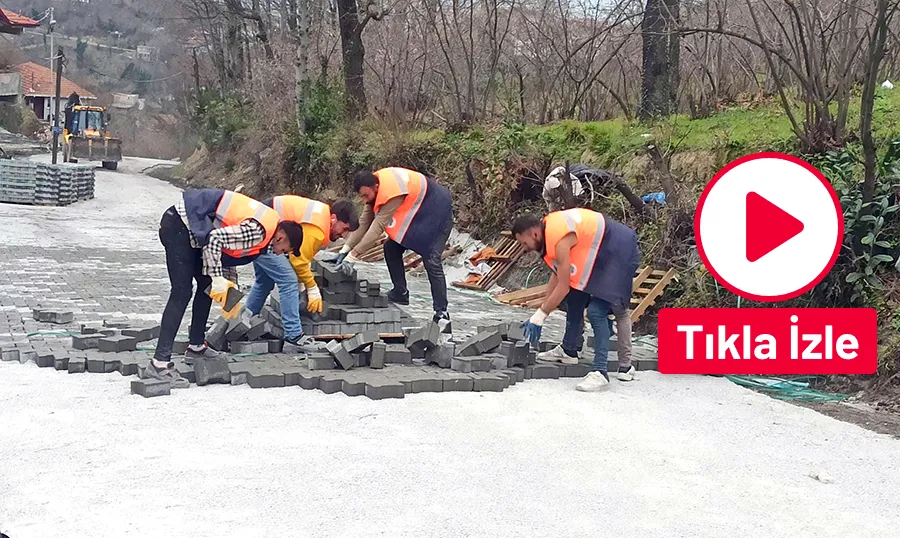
(25, 182)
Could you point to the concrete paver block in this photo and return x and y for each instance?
(484, 382)
(427, 384)
(320, 361)
(309, 380)
(61, 362)
(115, 344)
(9, 354)
(259, 378)
(238, 372)
(360, 341)
(45, 359)
(397, 354)
(544, 371)
(86, 341)
(423, 338)
(257, 328)
(186, 371)
(442, 355)
(353, 387)
(149, 388)
(384, 389)
(459, 383)
(340, 354)
(576, 370)
(249, 347)
(142, 334)
(215, 336)
(276, 345)
(237, 328)
(179, 347)
(210, 371)
(329, 383)
(376, 360)
(470, 364)
(76, 365)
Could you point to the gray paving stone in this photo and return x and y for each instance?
(45, 359)
(341, 356)
(114, 344)
(249, 347)
(257, 328)
(131, 365)
(484, 382)
(470, 364)
(329, 384)
(259, 378)
(9, 354)
(544, 371)
(309, 380)
(276, 345)
(576, 370)
(27, 355)
(86, 341)
(320, 362)
(424, 338)
(442, 356)
(427, 384)
(360, 341)
(61, 362)
(142, 334)
(211, 371)
(384, 389)
(149, 388)
(515, 332)
(116, 324)
(459, 383)
(397, 354)
(352, 386)
(180, 346)
(378, 355)
(238, 372)
(237, 328)
(292, 375)
(186, 371)
(215, 336)
(511, 374)
(76, 365)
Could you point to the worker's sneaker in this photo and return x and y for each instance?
(443, 321)
(169, 374)
(557, 355)
(199, 352)
(397, 298)
(625, 373)
(593, 382)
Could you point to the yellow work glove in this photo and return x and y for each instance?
(314, 300)
(219, 293)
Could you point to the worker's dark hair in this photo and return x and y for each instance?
(364, 178)
(345, 211)
(525, 223)
(295, 235)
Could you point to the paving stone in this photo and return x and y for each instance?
(180, 346)
(9, 354)
(512, 375)
(384, 389)
(544, 371)
(238, 372)
(45, 359)
(361, 359)
(546, 346)
(58, 317)
(257, 328)
(479, 343)
(576, 370)
(276, 345)
(470, 364)
(320, 361)
(309, 380)
(427, 384)
(484, 382)
(186, 371)
(116, 324)
(210, 371)
(502, 328)
(329, 384)
(515, 332)
(340, 354)
(61, 362)
(96, 365)
(275, 331)
(397, 354)
(115, 344)
(458, 383)
(130, 365)
(379, 349)
(91, 327)
(86, 341)
(424, 338)
(292, 375)
(498, 361)
(360, 341)
(149, 388)
(272, 316)
(237, 328)
(27, 355)
(76, 365)
(249, 347)
(259, 378)
(353, 386)
(520, 355)
(142, 334)
(442, 356)
(520, 374)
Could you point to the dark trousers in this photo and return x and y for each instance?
(434, 267)
(185, 265)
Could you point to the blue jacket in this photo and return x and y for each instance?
(617, 262)
(432, 219)
(200, 206)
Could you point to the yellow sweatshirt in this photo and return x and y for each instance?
(313, 241)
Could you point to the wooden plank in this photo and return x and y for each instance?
(650, 299)
(526, 293)
(639, 279)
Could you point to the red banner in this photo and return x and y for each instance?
(768, 341)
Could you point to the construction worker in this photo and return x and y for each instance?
(417, 214)
(321, 224)
(598, 257)
(205, 235)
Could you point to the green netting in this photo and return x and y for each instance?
(796, 389)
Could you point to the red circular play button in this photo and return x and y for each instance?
(769, 226)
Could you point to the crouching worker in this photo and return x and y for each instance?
(321, 224)
(593, 259)
(205, 235)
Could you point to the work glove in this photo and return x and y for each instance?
(331, 257)
(219, 290)
(534, 326)
(346, 265)
(314, 300)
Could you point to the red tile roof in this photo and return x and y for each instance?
(38, 81)
(12, 18)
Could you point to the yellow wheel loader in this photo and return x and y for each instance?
(86, 135)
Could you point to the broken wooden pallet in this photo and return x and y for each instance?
(506, 252)
(648, 285)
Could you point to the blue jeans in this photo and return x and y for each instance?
(272, 270)
(598, 312)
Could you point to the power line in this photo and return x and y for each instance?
(137, 81)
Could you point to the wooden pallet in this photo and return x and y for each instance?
(648, 285)
(508, 251)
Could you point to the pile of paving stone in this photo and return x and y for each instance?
(26, 182)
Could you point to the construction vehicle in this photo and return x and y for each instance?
(86, 135)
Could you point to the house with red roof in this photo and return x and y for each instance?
(13, 23)
(38, 88)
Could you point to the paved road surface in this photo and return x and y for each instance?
(660, 457)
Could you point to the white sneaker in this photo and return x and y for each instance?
(593, 382)
(557, 355)
(627, 375)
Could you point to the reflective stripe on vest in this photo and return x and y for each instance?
(304, 211)
(394, 182)
(588, 227)
(234, 208)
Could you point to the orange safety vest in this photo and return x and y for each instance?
(394, 182)
(234, 208)
(588, 227)
(304, 211)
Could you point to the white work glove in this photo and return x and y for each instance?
(314, 294)
(351, 259)
(314, 300)
(538, 318)
(220, 285)
(345, 249)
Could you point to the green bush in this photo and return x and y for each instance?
(219, 120)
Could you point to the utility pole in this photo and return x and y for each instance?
(56, 130)
(50, 31)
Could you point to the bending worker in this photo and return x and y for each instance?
(205, 235)
(593, 259)
(417, 214)
(321, 224)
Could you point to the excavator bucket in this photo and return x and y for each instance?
(96, 149)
